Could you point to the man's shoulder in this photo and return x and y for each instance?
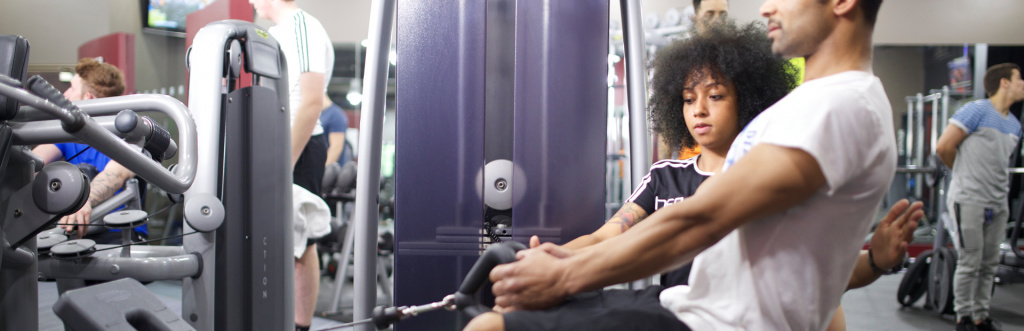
(979, 105)
(309, 21)
(837, 92)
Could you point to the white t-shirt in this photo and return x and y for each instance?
(307, 48)
(788, 271)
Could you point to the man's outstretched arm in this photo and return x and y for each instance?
(889, 243)
(768, 180)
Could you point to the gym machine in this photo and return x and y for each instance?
(517, 145)
(33, 197)
(514, 147)
(237, 264)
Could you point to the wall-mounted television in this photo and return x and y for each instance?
(167, 17)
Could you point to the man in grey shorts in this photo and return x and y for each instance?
(977, 144)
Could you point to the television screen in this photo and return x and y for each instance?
(169, 15)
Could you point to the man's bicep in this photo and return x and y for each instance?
(767, 180)
(312, 83)
(48, 152)
(952, 136)
(336, 139)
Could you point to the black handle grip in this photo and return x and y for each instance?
(500, 253)
(383, 317)
(43, 89)
(159, 142)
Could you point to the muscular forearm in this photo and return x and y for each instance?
(948, 156)
(659, 244)
(107, 183)
(862, 273)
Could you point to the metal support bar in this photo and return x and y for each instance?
(919, 149)
(110, 145)
(382, 17)
(935, 123)
(945, 107)
(51, 131)
(908, 160)
(636, 83)
(116, 267)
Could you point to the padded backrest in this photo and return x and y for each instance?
(13, 64)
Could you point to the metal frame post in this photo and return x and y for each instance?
(636, 84)
(919, 149)
(375, 78)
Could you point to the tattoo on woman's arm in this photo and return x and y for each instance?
(628, 216)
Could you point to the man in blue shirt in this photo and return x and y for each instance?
(335, 124)
(92, 80)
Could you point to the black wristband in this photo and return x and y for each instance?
(880, 271)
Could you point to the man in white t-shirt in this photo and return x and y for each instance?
(310, 56)
(779, 229)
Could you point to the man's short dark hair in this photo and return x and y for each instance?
(996, 74)
(103, 79)
(696, 5)
(739, 55)
(870, 9)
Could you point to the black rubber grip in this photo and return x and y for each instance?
(43, 89)
(158, 141)
(466, 298)
(383, 317)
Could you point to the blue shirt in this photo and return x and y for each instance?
(333, 119)
(89, 156)
(95, 158)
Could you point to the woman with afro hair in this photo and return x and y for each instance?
(704, 90)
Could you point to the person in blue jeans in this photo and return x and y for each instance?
(977, 145)
(93, 79)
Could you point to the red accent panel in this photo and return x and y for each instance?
(217, 11)
(117, 49)
(353, 118)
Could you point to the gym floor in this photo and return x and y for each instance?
(870, 308)
(874, 307)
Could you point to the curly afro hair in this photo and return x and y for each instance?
(729, 53)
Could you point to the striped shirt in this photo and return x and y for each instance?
(307, 48)
(980, 174)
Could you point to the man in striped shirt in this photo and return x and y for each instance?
(977, 145)
(310, 57)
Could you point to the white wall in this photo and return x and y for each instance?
(55, 28)
(346, 21)
(901, 70)
(916, 22)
